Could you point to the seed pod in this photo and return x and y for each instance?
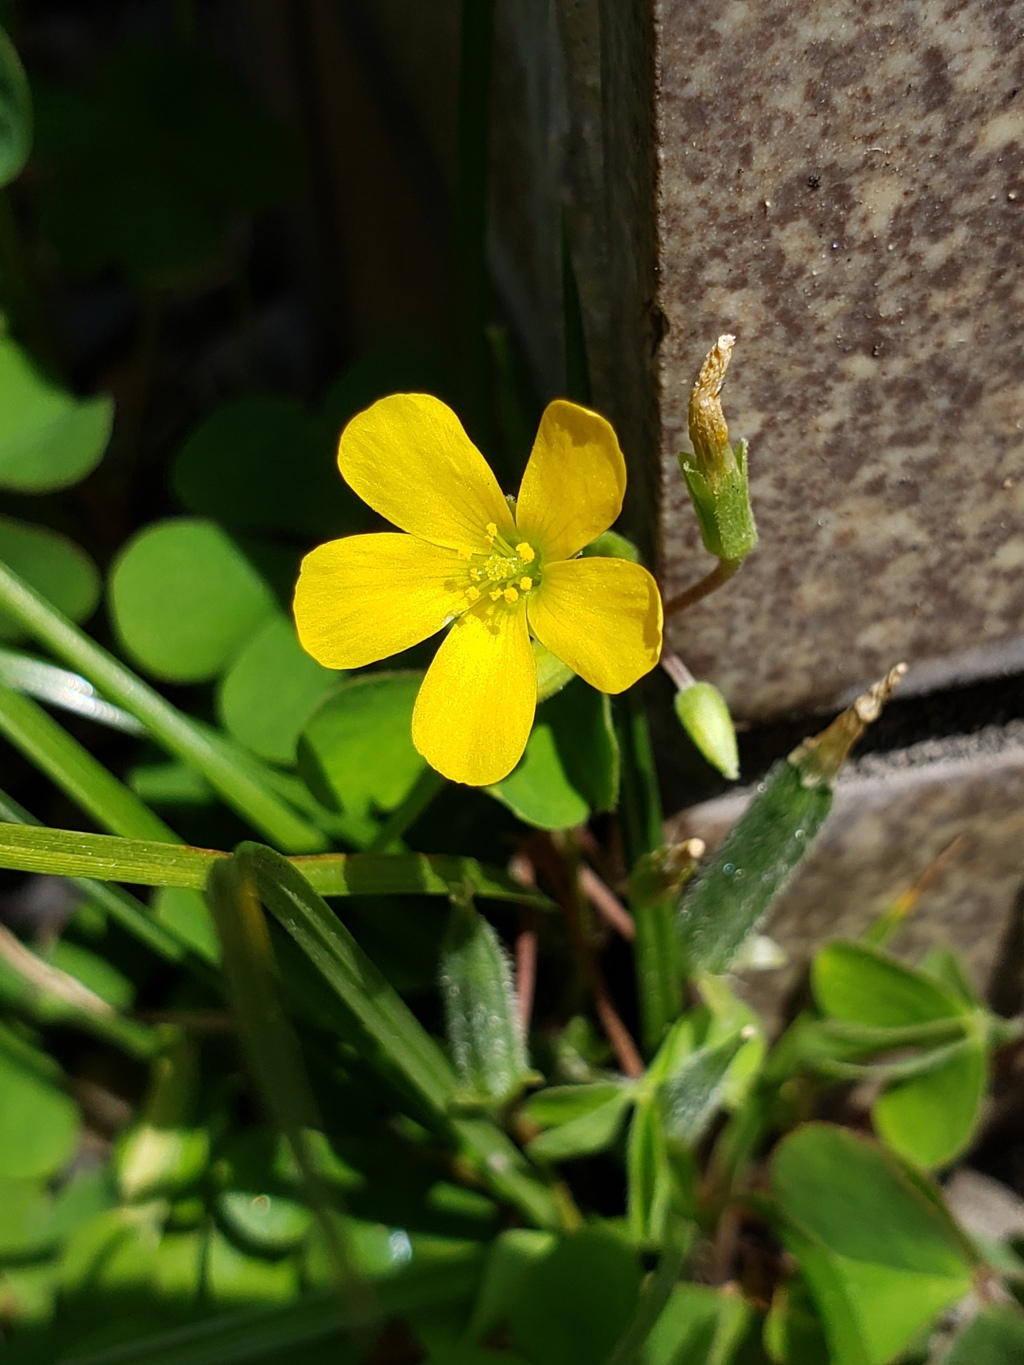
(730, 898)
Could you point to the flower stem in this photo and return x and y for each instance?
(721, 573)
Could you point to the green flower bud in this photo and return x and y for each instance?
(716, 473)
(704, 715)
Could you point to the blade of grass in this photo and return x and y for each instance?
(91, 786)
(393, 1038)
(69, 853)
(123, 908)
(233, 780)
(271, 1046)
(44, 994)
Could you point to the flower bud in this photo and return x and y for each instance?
(704, 715)
(716, 473)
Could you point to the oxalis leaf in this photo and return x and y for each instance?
(729, 899)
(15, 112)
(880, 1256)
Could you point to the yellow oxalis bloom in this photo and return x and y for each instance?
(497, 575)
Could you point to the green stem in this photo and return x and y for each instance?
(165, 724)
(659, 983)
(721, 573)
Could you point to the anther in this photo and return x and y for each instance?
(511, 595)
(495, 594)
(526, 552)
(526, 584)
(472, 594)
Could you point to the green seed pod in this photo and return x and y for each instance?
(733, 894)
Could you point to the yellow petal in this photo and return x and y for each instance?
(409, 458)
(574, 482)
(601, 617)
(360, 599)
(475, 708)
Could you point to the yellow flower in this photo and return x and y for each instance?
(498, 574)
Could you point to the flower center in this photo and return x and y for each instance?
(503, 572)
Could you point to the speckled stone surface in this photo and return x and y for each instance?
(843, 188)
(890, 820)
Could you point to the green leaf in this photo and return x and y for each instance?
(654, 1202)
(48, 438)
(233, 469)
(930, 1119)
(729, 898)
(879, 1256)
(994, 1337)
(271, 690)
(693, 1092)
(26, 1228)
(577, 1301)
(698, 1326)
(485, 1036)
(558, 1104)
(15, 113)
(54, 565)
(185, 599)
(864, 985)
(356, 753)
(185, 913)
(267, 1223)
(509, 1259)
(571, 763)
(590, 1132)
(39, 1123)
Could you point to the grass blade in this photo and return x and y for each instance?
(123, 908)
(231, 778)
(80, 776)
(271, 1046)
(393, 1039)
(146, 862)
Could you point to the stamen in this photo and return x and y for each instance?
(495, 594)
(511, 595)
(525, 552)
(472, 594)
(526, 584)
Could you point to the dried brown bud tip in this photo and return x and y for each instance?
(819, 758)
(709, 433)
